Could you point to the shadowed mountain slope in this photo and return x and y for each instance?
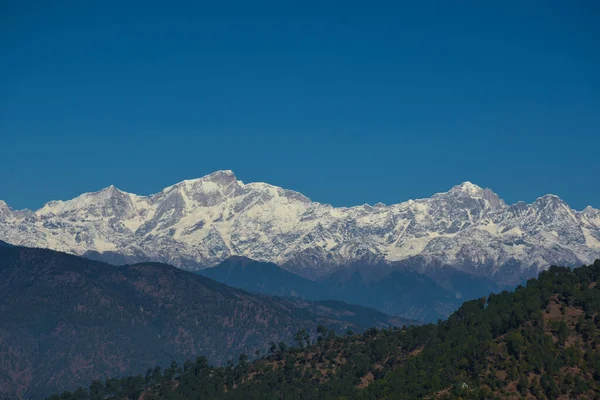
(541, 341)
(65, 320)
(396, 291)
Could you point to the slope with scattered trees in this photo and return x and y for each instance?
(538, 342)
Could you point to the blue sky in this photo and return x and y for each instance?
(346, 102)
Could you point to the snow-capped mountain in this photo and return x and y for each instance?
(201, 222)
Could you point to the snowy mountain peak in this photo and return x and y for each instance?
(5, 210)
(222, 177)
(201, 222)
(86, 202)
(550, 201)
(469, 188)
(589, 210)
(108, 192)
(211, 182)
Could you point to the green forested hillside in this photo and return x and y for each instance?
(538, 342)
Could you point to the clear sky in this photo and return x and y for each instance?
(347, 102)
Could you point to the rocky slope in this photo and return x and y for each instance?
(198, 223)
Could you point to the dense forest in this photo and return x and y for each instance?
(539, 342)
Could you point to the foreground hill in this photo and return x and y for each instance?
(400, 292)
(65, 320)
(539, 342)
(201, 222)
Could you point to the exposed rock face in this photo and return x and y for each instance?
(201, 222)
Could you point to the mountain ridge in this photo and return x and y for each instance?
(65, 320)
(200, 222)
(395, 291)
(539, 341)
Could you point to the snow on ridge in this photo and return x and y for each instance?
(200, 222)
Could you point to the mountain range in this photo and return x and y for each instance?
(66, 320)
(398, 292)
(201, 222)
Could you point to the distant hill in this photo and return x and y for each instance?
(541, 341)
(65, 320)
(266, 278)
(399, 291)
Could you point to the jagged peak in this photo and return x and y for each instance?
(221, 177)
(548, 198)
(550, 202)
(466, 188)
(107, 191)
(215, 181)
(102, 194)
(590, 210)
(223, 180)
(227, 176)
(470, 189)
(112, 189)
(83, 200)
(217, 176)
(5, 210)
